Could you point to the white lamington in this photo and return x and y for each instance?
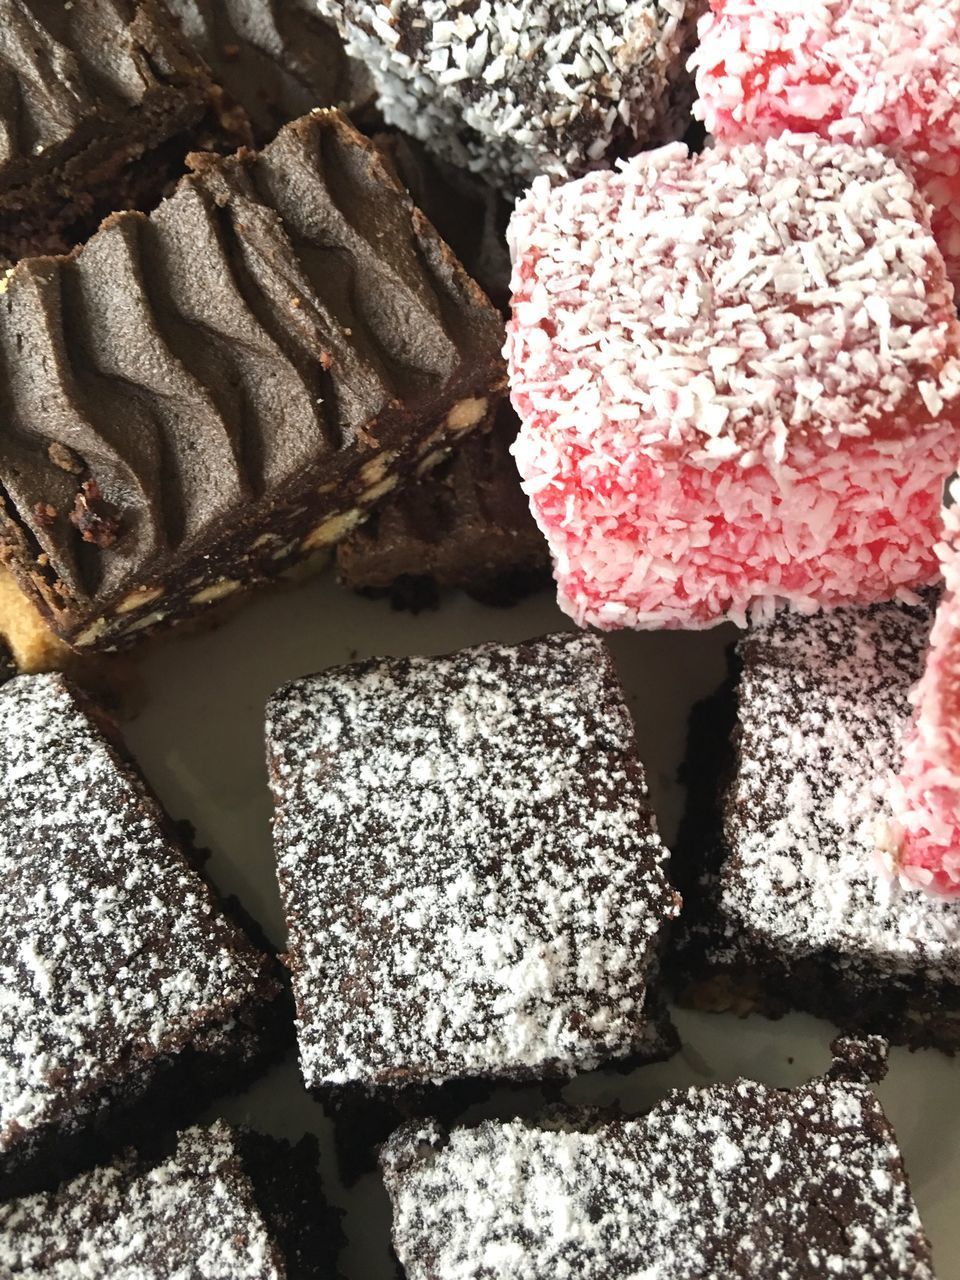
(517, 88)
(470, 870)
(733, 1180)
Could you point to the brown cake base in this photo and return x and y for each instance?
(463, 526)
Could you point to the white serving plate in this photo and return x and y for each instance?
(199, 739)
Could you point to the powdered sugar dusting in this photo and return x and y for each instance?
(923, 835)
(193, 1215)
(733, 1179)
(517, 88)
(770, 324)
(824, 703)
(112, 949)
(468, 863)
(857, 71)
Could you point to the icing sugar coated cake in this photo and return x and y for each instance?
(468, 864)
(733, 1180)
(922, 836)
(116, 961)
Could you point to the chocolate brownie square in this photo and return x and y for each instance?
(98, 103)
(469, 868)
(465, 525)
(199, 399)
(277, 58)
(788, 902)
(226, 1202)
(731, 1180)
(130, 995)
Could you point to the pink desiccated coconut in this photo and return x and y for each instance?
(922, 844)
(859, 71)
(738, 376)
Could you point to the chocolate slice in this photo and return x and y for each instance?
(198, 399)
(277, 58)
(464, 526)
(99, 100)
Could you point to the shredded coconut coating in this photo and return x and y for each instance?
(731, 1180)
(112, 948)
(468, 864)
(857, 71)
(823, 709)
(517, 88)
(922, 840)
(192, 1217)
(738, 376)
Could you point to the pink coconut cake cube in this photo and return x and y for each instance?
(857, 71)
(738, 375)
(920, 840)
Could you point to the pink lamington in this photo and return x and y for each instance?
(738, 375)
(922, 841)
(858, 71)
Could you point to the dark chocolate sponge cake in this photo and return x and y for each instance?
(732, 1180)
(470, 871)
(99, 100)
(787, 903)
(225, 1204)
(129, 996)
(198, 399)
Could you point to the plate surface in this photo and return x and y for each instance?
(199, 739)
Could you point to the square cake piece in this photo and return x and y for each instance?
(277, 60)
(465, 525)
(788, 903)
(201, 398)
(551, 87)
(858, 71)
(732, 1180)
(98, 104)
(469, 867)
(738, 376)
(129, 995)
(225, 1204)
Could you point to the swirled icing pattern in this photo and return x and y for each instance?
(220, 373)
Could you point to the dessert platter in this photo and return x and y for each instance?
(479, 639)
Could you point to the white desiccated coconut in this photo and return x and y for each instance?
(517, 88)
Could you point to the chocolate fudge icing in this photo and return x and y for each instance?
(277, 58)
(85, 91)
(190, 400)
